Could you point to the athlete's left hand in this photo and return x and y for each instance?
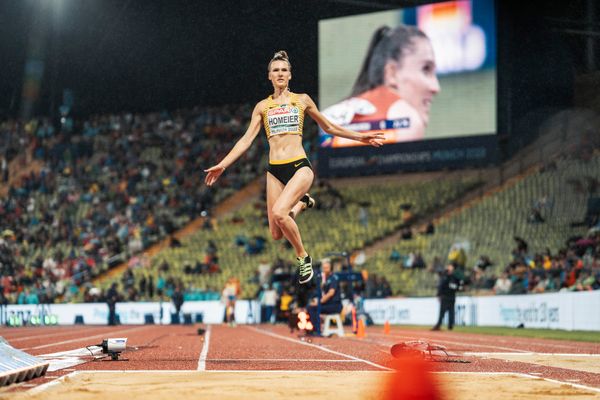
(212, 174)
(375, 139)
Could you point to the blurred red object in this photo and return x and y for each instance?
(412, 379)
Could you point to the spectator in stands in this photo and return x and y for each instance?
(268, 299)
(584, 282)
(429, 229)
(503, 284)
(457, 257)
(535, 216)
(264, 272)
(395, 255)
(142, 284)
(285, 302)
(229, 297)
(150, 287)
(596, 282)
(409, 260)
(406, 233)
(483, 263)
(437, 266)
(4, 169)
(386, 288)
(363, 216)
(174, 242)
(519, 279)
(419, 262)
(521, 250)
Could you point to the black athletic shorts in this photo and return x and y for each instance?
(284, 171)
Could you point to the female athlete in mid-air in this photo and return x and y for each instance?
(289, 174)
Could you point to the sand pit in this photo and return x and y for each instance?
(576, 362)
(256, 385)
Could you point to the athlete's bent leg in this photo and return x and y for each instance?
(291, 194)
(305, 202)
(289, 197)
(274, 189)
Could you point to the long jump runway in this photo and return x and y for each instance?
(266, 361)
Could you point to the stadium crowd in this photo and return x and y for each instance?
(84, 196)
(576, 267)
(107, 188)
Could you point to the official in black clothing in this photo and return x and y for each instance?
(446, 292)
(112, 296)
(177, 299)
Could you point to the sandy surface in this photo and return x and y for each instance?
(287, 385)
(587, 363)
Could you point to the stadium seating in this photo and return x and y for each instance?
(324, 231)
(100, 195)
(489, 225)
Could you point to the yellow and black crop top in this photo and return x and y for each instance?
(284, 119)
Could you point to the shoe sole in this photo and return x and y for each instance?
(310, 203)
(307, 279)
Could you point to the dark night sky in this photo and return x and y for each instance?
(145, 55)
(148, 55)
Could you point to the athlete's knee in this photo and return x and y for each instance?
(280, 215)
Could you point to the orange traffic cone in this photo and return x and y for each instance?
(354, 321)
(360, 332)
(386, 328)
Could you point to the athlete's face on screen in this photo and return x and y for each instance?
(414, 77)
(280, 74)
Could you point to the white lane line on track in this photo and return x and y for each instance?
(225, 371)
(65, 332)
(513, 340)
(275, 335)
(102, 335)
(71, 358)
(532, 353)
(48, 385)
(204, 353)
(522, 375)
(281, 360)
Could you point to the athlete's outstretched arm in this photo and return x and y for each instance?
(213, 173)
(373, 138)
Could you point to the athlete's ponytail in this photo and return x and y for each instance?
(386, 44)
(281, 55)
(362, 83)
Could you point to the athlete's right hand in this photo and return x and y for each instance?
(375, 139)
(212, 174)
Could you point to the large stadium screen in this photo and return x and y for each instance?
(416, 73)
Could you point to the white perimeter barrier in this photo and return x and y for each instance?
(130, 313)
(565, 310)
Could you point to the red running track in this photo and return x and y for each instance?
(267, 347)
